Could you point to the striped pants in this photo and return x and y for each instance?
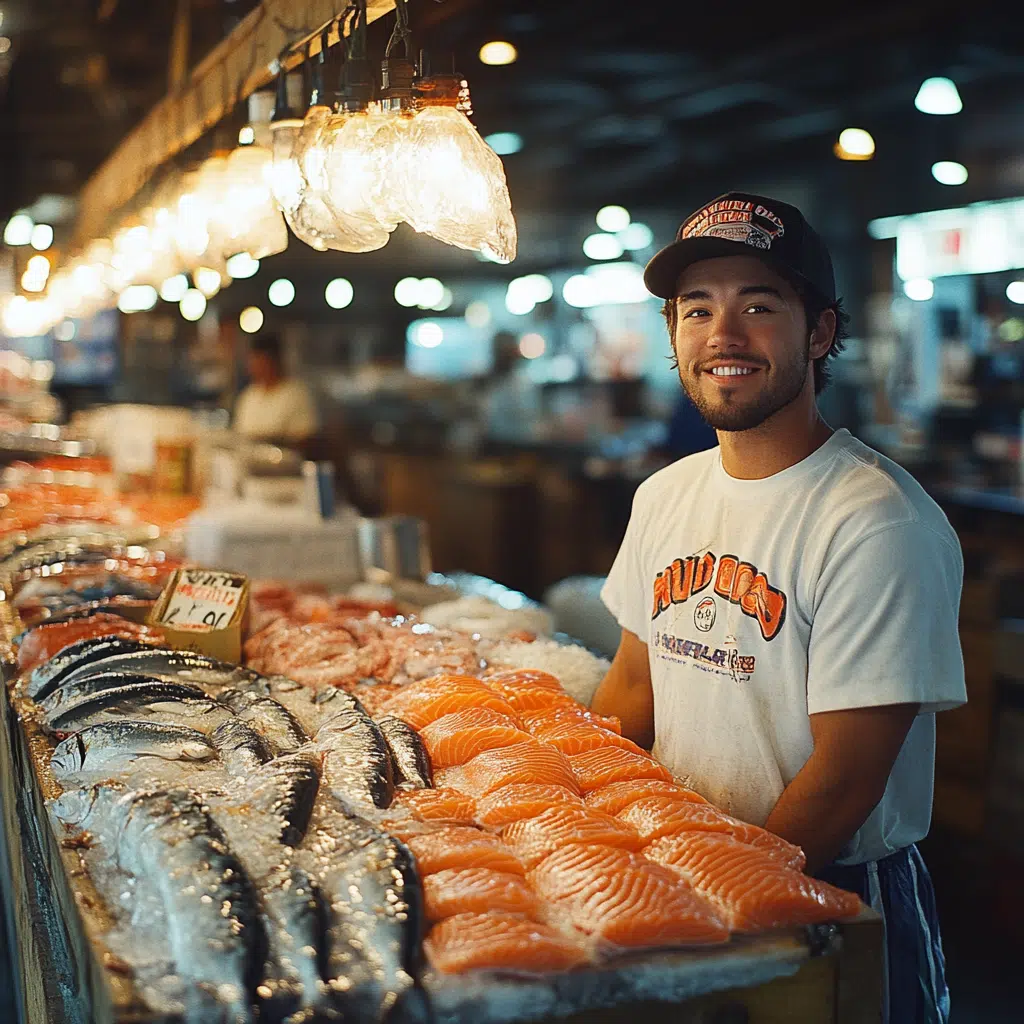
(900, 889)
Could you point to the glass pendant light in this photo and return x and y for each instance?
(286, 181)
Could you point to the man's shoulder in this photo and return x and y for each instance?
(869, 492)
(675, 477)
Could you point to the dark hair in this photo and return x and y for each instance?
(268, 345)
(814, 305)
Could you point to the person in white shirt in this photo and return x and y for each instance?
(273, 407)
(789, 599)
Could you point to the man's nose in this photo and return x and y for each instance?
(727, 333)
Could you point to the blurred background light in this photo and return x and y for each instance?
(281, 292)
(920, 289)
(193, 304)
(949, 172)
(478, 314)
(174, 288)
(498, 52)
(137, 298)
(504, 143)
(250, 319)
(207, 281)
(407, 291)
(612, 218)
(42, 237)
(246, 137)
(855, 144)
(339, 293)
(1015, 292)
(65, 330)
(427, 334)
(635, 236)
(938, 96)
(602, 247)
(18, 230)
(242, 266)
(429, 293)
(532, 346)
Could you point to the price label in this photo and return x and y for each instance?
(203, 600)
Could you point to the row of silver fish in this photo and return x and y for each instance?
(283, 900)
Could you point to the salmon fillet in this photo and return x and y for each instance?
(438, 805)
(477, 890)
(500, 941)
(529, 761)
(507, 681)
(597, 768)
(657, 816)
(622, 898)
(529, 697)
(421, 703)
(459, 847)
(520, 800)
(617, 796)
(460, 736)
(532, 839)
(752, 890)
(578, 737)
(533, 720)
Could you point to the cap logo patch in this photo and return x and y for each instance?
(736, 220)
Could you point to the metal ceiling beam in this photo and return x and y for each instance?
(240, 64)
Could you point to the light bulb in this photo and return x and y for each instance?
(855, 144)
(174, 288)
(207, 281)
(193, 304)
(938, 96)
(247, 218)
(286, 182)
(445, 181)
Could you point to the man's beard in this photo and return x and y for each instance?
(732, 414)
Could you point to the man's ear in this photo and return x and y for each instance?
(823, 335)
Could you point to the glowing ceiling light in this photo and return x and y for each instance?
(532, 346)
(602, 247)
(920, 289)
(241, 266)
(949, 172)
(428, 334)
(612, 218)
(339, 293)
(504, 143)
(286, 182)
(497, 53)
(246, 137)
(42, 237)
(281, 292)
(250, 319)
(18, 230)
(478, 314)
(636, 236)
(137, 298)
(193, 304)
(407, 292)
(1015, 292)
(245, 219)
(855, 144)
(207, 281)
(174, 288)
(938, 96)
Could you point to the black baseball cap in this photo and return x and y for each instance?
(739, 223)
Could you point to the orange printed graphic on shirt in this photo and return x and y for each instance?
(738, 582)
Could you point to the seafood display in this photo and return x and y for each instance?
(368, 805)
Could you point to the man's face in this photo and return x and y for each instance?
(741, 341)
(262, 369)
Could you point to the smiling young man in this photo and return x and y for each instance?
(789, 599)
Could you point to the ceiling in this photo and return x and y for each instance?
(655, 103)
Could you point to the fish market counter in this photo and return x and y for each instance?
(64, 971)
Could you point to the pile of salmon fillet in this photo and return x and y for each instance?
(553, 841)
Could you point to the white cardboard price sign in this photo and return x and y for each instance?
(203, 599)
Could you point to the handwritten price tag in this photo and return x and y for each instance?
(203, 600)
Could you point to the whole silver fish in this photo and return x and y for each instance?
(158, 702)
(184, 666)
(112, 745)
(72, 693)
(375, 921)
(215, 931)
(241, 749)
(286, 788)
(357, 764)
(409, 758)
(43, 679)
(271, 719)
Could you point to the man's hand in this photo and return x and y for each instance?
(843, 779)
(626, 691)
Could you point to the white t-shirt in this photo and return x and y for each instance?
(834, 584)
(285, 410)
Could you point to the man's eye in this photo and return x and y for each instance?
(758, 307)
(695, 312)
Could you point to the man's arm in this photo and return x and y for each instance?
(843, 779)
(626, 691)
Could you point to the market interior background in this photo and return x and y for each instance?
(516, 408)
